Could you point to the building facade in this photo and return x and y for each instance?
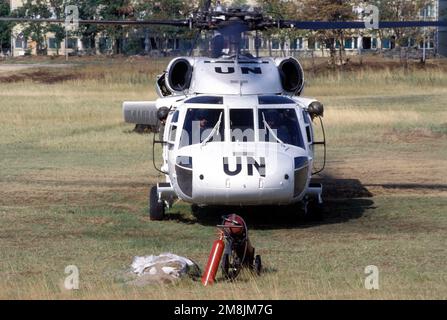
(442, 32)
(146, 43)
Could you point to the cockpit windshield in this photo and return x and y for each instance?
(242, 125)
(202, 126)
(207, 125)
(280, 125)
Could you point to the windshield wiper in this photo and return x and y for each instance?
(272, 132)
(216, 128)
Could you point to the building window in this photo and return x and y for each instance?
(20, 43)
(348, 43)
(105, 44)
(429, 44)
(311, 43)
(264, 44)
(52, 43)
(374, 43)
(329, 43)
(275, 44)
(296, 44)
(356, 42)
(72, 43)
(386, 43)
(428, 11)
(245, 44)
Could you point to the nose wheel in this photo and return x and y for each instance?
(156, 205)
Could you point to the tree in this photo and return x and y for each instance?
(330, 10)
(279, 9)
(401, 10)
(35, 31)
(238, 3)
(166, 9)
(88, 10)
(5, 28)
(116, 10)
(58, 9)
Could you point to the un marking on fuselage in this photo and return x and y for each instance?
(251, 163)
(244, 70)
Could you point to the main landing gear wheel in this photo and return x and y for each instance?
(315, 211)
(195, 208)
(156, 206)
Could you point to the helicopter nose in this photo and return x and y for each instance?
(251, 180)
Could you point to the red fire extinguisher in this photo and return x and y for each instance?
(213, 261)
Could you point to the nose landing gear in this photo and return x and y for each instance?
(156, 205)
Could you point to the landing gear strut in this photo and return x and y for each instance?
(156, 205)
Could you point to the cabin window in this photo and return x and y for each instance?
(205, 100)
(275, 100)
(281, 126)
(202, 125)
(242, 125)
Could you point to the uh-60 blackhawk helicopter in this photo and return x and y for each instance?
(234, 128)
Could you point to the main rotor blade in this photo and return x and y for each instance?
(175, 23)
(326, 25)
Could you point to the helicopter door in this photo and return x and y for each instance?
(168, 141)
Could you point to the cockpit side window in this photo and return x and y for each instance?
(202, 125)
(281, 126)
(308, 126)
(242, 125)
(173, 128)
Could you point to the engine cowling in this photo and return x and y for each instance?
(292, 75)
(140, 112)
(178, 75)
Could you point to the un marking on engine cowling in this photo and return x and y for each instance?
(251, 165)
(244, 70)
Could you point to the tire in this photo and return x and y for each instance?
(156, 208)
(194, 208)
(231, 266)
(258, 264)
(316, 211)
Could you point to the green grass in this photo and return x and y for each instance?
(74, 183)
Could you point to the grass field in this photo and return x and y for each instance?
(74, 181)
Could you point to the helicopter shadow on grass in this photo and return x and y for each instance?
(344, 200)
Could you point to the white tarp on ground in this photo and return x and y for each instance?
(163, 266)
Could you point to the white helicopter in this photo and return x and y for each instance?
(235, 130)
